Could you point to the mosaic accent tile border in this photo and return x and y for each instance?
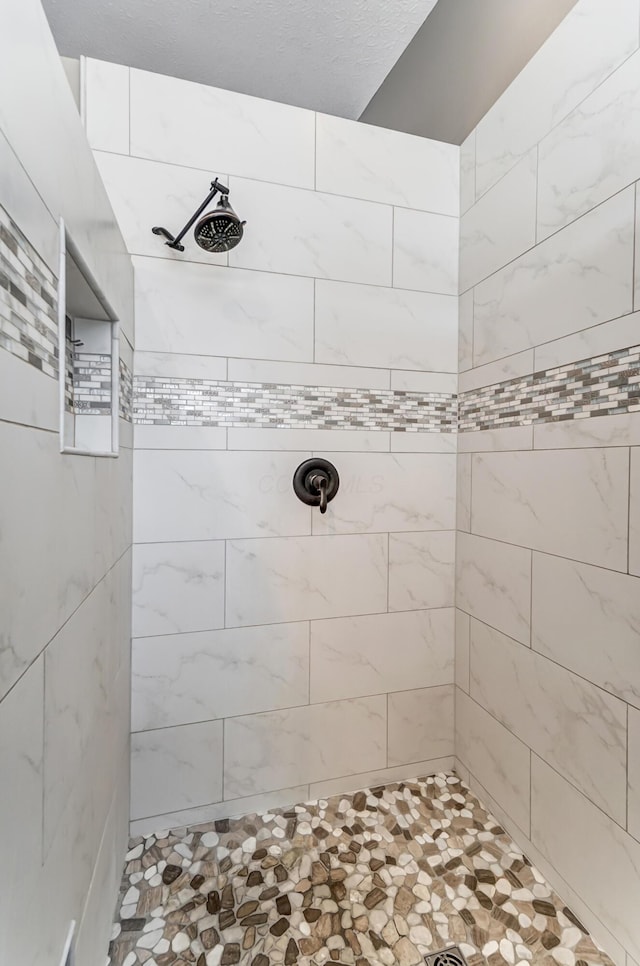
(164, 401)
(28, 301)
(603, 385)
(125, 408)
(386, 876)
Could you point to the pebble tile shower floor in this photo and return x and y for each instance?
(383, 876)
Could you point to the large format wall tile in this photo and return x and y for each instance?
(177, 587)
(468, 172)
(634, 773)
(425, 251)
(599, 339)
(634, 513)
(462, 650)
(573, 176)
(607, 872)
(310, 233)
(264, 752)
(590, 43)
(421, 724)
(573, 725)
(176, 768)
(181, 122)
(493, 583)
(354, 656)
(387, 492)
(106, 105)
(496, 758)
(304, 578)
(204, 310)
(582, 514)
(364, 161)
(308, 373)
(422, 570)
(373, 326)
(209, 495)
(500, 226)
(588, 620)
(574, 279)
(186, 678)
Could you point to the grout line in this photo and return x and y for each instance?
(313, 335)
(393, 244)
(535, 213)
(634, 279)
(315, 150)
(629, 455)
(225, 585)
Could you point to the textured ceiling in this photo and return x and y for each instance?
(328, 55)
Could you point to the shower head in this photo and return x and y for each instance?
(219, 230)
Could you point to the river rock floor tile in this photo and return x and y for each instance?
(383, 876)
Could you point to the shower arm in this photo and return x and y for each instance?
(216, 186)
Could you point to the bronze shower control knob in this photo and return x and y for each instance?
(316, 482)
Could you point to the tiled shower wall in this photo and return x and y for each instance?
(279, 653)
(548, 565)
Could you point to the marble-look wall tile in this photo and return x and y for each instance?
(634, 773)
(382, 776)
(386, 492)
(496, 758)
(468, 172)
(588, 45)
(176, 768)
(425, 251)
(575, 608)
(465, 331)
(177, 587)
(180, 437)
(509, 367)
(634, 513)
(573, 178)
(310, 233)
(181, 366)
(209, 495)
(420, 724)
(27, 395)
(595, 341)
(501, 225)
(583, 515)
(575, 726)
(426, 382)
(263, 752)
(620, 430)
(562, 820)
(106, 105)
(403, 330)
(262, 139)
(463, 492)
(317, 440)
(353, 656)
(364, 161)
(493, 583)
(577, 278)
(423, 442)
(462, 650)
(496, 440)
(421, 570)
(304, 578)
(202, 309)
(187, 678)
(308, 373)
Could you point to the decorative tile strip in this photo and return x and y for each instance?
(164, 401)
(126, 391)
(28, 301)
(603, 385)
(92, 384)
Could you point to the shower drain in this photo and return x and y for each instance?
(451, 956)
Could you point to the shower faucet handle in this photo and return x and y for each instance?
(320, 482)
(316, 482)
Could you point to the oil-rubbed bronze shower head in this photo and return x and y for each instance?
(219, 230)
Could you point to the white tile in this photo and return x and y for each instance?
(421, 724)
(575, 608)
(496, 440)
(364, 161)
(388, 491)
(607, 337)
(424, 442)
(501, 225)
(465, 331)
(27, 395)
(462, 650)
(353, 656)
(425, 251)
(106, 105)
(583, 515)
(468, 172)
(177, 587)
(303, 578)
(636, 266)
(221, 311)
(311, 233)
(593, 153)
(607, 873)
(634, 773)
(421, 570)
(510, 367)
(495, 757)
(589, 43)
(370, 325)
(180, 365)
(634, 513)
(620, 430)
(187, 678)
(176, 768)
(440, 382)
(181, 122)
(463, 492)
(307, 374)
(179, 437)
(316, 440)
(555, 289)
(146, 194)
(576, 727)
(493, 583)
(269, 751)
(212, 495)
(399, 773)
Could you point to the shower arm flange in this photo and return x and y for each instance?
(216, 186)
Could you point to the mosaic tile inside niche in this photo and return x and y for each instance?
(126, 391)
(91, 383)
(383, 876)
(603, 385)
